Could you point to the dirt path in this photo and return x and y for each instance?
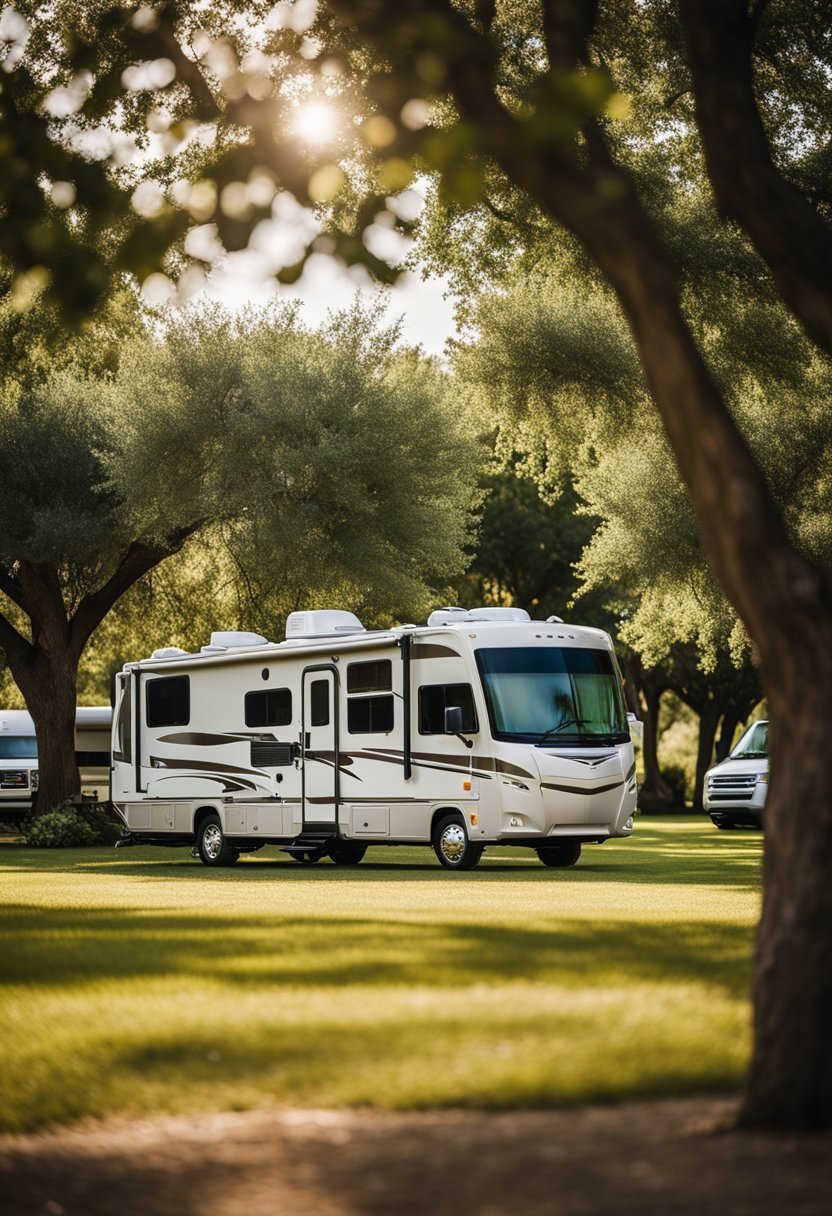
(653, 1159)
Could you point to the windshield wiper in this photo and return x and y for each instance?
(553, 730)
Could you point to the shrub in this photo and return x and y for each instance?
(62, 828)
(72, 826)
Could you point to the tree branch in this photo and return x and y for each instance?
(566, 26)
(784, 227)
(16, 647)
(136, 562)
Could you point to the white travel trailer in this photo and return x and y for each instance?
(483, 727)
(19, 757)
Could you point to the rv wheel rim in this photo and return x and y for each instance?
(452, 842)
(212, 841)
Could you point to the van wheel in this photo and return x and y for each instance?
(452, 846)
(212, 846)
(347, 854)
(559, 856)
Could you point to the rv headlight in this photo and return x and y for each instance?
(34, 778)
(762, 778)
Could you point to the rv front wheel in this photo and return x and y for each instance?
(213, 848)
(452, 846)
(559, 856)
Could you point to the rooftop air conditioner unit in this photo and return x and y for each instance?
(321, 623)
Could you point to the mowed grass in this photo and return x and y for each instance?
(140, 981)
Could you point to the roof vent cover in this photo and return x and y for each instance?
(498, 614)
(457, 616)
(233, 639)
(322, 623)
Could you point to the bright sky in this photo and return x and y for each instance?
(325, 286)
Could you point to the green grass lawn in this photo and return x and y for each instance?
(140, 981)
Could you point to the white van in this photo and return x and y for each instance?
(735, 790)
(18, 762)
(19, 757)
(481, 727)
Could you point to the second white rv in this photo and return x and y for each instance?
(482, 727)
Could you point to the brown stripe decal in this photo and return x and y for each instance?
(433, 650)
(202, 766)
(198, 739)
(631, 773)
(575, 789)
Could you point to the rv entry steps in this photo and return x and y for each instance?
(312, 844)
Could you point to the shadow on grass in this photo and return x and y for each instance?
(697, 855)
(62, 947)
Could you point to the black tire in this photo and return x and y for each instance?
(452, 846)
(560, 856)
(347, 853)
(727, 827)
(211, 844)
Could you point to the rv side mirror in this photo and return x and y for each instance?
(453, 720)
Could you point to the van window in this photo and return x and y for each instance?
(434, 699)
(376, 676)
(169, 701)
(18, 747)
(369, 715)
(269, 707)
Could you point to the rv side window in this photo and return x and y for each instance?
(376, 676)
(319, 703)
(269, 707)
(434, 699)
(369, 715)
(169, 701)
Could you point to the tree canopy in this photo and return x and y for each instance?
(313, 463)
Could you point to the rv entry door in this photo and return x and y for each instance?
(320, 747)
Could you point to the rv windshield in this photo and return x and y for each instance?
(18, 747)
(551, 695)
(754, 744)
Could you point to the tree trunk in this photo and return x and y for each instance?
(790, 1082)
(49, 687)
(655, 794)
(708, 722)
(785, 603)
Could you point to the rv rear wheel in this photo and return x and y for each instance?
(347, 854)
(559, 856)
(452, 846)
(212, 846)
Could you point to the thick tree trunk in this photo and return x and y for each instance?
(49, 686)
(790, 1083)
(786, 605)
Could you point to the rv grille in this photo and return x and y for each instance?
(270, 755)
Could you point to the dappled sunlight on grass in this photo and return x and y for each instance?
(141, 981)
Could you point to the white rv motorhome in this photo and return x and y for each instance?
(19, 757)
(483, 727)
